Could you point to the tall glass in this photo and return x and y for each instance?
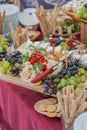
(67, 123)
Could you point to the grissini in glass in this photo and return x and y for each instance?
(71, 104)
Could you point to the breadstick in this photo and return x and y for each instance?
(18, 29)
(73, 109)
(68, 13)
(53, 28)
(60, 103)
(84, 94)
(48, 14)
(3, 16)
(84, 21)
(1, 24)
(81, 108)
(0, 17)
(18, 37)
(45, 20)
(78, 93)
(45, 31)
(78, 102)
(55, 9)
(43, 23)
(56, 12)
(66, 105)
(42, 10)
(23, 38)
(55, 15)
(64, 91)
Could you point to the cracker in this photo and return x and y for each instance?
(54, 114)
(57, 110)
(42, 107)
(52, 101)
(51, 108)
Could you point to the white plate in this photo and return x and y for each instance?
(9, 8)
(28, 18)
(12, 15)
(81, 122)
(36, 105)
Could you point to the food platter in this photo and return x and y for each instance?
(24, 73)
(44, 103)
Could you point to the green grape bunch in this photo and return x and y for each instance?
(83, 13)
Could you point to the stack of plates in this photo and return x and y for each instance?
(12, 15)
(81, 122)
(28, 18)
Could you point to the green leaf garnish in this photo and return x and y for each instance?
(46, 39)
(25, 57)
(38, 65)
(34, 48)
(42, 49)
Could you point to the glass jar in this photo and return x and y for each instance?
(67, 123)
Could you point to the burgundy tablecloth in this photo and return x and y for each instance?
(17, 110)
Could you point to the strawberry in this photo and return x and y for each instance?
(44, 67)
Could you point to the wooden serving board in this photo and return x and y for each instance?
(17, 81)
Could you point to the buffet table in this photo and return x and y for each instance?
(17, 110)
